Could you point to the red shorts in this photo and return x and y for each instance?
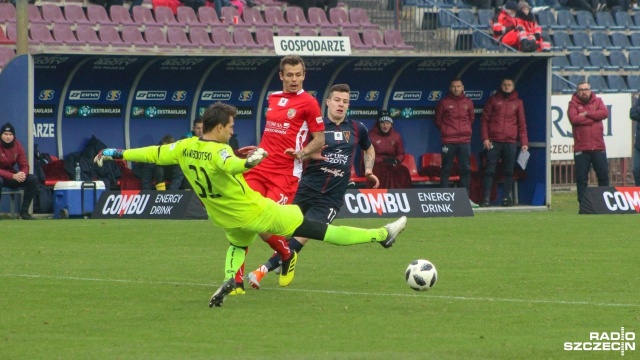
(277, 187)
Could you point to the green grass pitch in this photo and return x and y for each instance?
(512, 285)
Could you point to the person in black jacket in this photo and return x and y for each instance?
(634, 114)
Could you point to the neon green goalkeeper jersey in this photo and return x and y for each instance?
(215, 174)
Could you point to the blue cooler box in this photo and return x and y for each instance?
(68, 198)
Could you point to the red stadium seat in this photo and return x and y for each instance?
(410, 163)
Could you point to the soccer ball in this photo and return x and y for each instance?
(421, 275)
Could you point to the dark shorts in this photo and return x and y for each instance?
(317, 206)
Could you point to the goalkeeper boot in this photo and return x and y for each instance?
(288, 268)
(255, 277)
(239, 290)
(225, 289)
(393, 229)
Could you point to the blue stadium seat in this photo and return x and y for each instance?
(624, 19)
(562, 41)
(585, 18)
(605, 19)
(559, 85)
(578, 59)
(446, 19)
(567, 20)
(598, 84)
(600, 38)
(599, 59)
(547, 20)
(621, 40)
(616, 82)
(634, 82)
(634, 58)
(618, 58)
(485, 18)
(582, 39)
(484, 41)
(562, 63)
(576, 79)
(636, 18)
(635, 38)
(468, 17)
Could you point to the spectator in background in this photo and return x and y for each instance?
(11, 154)
(618, 5)
(196, 129)
(389, 154)
(503, 123)
(532, 29)
(454, 117)
(586, 112)
(634, 114)
(155, 177)
(511, 31)
(588, 5)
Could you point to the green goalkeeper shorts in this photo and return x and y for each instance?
(275, 219)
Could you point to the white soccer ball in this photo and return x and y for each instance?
(421, 275)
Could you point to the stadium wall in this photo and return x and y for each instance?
(134, 100)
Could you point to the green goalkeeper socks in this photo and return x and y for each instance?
(235, 259)
(346, 235)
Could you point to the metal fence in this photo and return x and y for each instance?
(563, 174)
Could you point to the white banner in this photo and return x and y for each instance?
(617, 129)
(312, 45)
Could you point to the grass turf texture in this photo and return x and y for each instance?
(511, 286)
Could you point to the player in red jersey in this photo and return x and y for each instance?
(292, 116)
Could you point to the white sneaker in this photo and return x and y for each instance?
(393, 229)
(473, 205)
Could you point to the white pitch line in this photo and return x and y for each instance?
(332, 292)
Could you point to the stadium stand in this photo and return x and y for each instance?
(274, 17)
(223, 38)
(7, 13)
(394, 38)
(373, 39)
(252, 17)
(583, 40)
(339, 17)
(264, 37)
(243, 37)
(199, 36)
(86, 34)
(616, 82)
(62, 33)
(75, 13)
(605, 20)
(52, 13)
(120, 15)
(165, 16)
(178, 37)
(97, 14)
(599, 59)
(318, 18)
(295, 17)
(359, 17)
(586, 20)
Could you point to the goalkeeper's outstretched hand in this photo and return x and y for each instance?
(108, 154)
(256, 157)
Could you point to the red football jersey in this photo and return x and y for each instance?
(290, 119)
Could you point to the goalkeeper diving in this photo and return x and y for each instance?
(215, 174)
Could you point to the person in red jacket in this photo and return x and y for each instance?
(389, 155)
(12, 153)
(454, 116)
(586, 112)
(503, 124)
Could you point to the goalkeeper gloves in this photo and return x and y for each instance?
(108, 154)
(255, 158)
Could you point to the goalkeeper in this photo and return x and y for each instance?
(215, 174)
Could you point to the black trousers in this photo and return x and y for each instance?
(30, 185)
(507, 153)
(583, 161)
(449, 153)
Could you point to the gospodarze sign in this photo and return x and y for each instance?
(312, 45)
(386, 203)
(138, 204)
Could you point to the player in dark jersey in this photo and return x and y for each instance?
(321, 190)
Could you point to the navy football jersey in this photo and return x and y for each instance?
(333, 175)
